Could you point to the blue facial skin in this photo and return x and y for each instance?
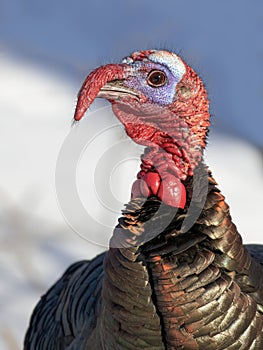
(163, 95)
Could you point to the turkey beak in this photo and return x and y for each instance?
(102, 82)
(115, 90)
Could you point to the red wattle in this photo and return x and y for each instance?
(140, 189)
(172, 192)
(153, 181)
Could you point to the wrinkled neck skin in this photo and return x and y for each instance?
(175, 138)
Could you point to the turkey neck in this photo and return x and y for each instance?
(174, 141)
(169, 289)
(167, 158)
(169, 137)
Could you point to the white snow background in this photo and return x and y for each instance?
(45, 54)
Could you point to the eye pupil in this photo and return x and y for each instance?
(156, 78)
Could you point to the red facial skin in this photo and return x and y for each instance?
(175, 135)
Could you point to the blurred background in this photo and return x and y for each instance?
(46, 50)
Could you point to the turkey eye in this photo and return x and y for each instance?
(156, 78)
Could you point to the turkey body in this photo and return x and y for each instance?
(196, 290)
(177, 275)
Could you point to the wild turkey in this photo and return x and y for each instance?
(176, 275)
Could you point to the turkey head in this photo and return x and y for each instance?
(163, 105)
